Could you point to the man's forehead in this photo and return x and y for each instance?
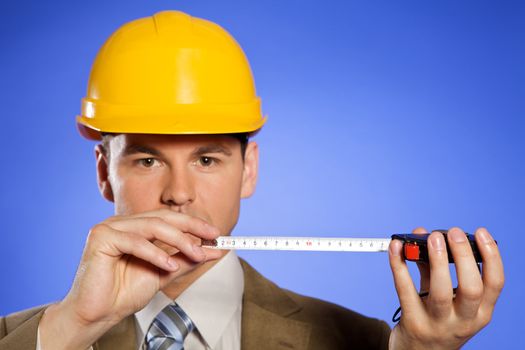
(121, 142)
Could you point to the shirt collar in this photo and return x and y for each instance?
(210, 301)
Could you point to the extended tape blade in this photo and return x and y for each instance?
(300, 243)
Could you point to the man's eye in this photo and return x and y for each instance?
(147, 162)
(206, 161)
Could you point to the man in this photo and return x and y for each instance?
(172, 99)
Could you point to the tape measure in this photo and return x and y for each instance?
(414, 245)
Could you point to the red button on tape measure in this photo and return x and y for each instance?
(411, 251)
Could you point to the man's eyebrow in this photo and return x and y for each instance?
(214, 148)
(134, 149)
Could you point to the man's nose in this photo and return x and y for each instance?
(179, 189)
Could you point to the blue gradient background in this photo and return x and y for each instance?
(383, 116)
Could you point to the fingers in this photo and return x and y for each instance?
(440, 296)
(184, 223)
(156, 228)
(424, 269)
(406, 291)
(470, 286)
(493, 274)
(114, 244)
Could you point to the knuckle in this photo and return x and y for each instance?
(484, 319)
(419, 330)
(427, 334)
(464, 330)
(472, 293)
(497, 283)
(501, 283)
(97, 230)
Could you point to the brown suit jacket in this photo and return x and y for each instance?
(272, 318)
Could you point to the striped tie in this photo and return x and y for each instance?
(168, 329)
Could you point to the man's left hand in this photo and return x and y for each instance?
(443, 320)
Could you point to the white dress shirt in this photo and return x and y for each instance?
(214, 304)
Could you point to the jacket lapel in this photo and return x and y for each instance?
(265, 321)
(120, 337)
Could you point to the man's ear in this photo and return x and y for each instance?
(104, 185)
(250, 171)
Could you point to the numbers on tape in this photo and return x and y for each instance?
(300, 243)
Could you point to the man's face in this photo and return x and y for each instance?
(199, 175)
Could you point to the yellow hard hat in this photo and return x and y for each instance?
(170, 74)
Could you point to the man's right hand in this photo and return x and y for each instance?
(121, 270)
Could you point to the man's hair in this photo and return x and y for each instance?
(241, 137)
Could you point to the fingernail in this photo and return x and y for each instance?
(198, 250)
(484, 236)
(172, 263)
(437, 242)
(457, 236)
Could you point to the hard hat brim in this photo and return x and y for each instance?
(93, 129)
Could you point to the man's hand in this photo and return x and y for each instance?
(440, 320)
(121, 270)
